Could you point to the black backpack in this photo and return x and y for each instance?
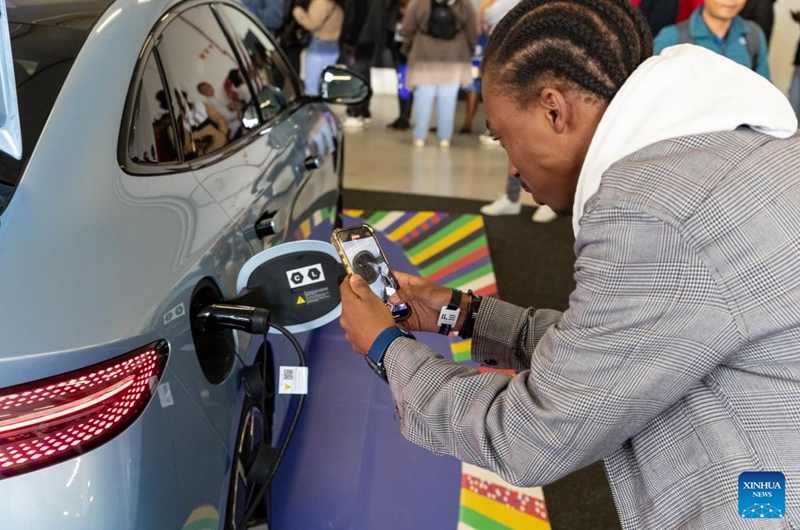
(442, 23)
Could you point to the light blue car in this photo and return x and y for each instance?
(157, 146)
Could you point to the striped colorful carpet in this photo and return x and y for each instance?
(452, 250)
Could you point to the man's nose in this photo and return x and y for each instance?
(512, 170)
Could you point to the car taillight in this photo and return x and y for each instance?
(51, 420)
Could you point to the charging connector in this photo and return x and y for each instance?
(253, 320)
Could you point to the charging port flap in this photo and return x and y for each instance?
(297, 281)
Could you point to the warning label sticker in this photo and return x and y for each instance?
(317, 295)
(293, 380)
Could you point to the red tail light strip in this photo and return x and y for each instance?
(49, 421)
(44, 417)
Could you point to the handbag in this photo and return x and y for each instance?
(294, 35)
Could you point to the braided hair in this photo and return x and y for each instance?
(591, 45)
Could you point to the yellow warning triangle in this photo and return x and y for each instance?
(287, 387)
(300, 300)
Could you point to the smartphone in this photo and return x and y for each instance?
(361, 254)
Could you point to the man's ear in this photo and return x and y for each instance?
(557, 108)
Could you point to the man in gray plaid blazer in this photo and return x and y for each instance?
(678, 360)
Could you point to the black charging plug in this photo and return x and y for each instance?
(253, 320)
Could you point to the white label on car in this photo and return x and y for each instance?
(293, 380)
(305, 276)
(165, 395)
(177, 311)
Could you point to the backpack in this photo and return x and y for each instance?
(442, 22)
(753, 42)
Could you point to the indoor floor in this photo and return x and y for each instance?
(382, 159)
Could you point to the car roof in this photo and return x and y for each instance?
(46, 36)
(65, 13)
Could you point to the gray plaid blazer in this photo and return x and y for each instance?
(678, 360)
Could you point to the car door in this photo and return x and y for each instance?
(283, 184)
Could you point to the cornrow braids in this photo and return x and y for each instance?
(591, 45)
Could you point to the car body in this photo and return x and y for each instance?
(115, 228)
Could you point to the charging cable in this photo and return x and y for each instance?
(255, 320)
(292, 426)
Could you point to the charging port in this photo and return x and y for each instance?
(215, 346)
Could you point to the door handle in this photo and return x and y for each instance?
(314, 162)
(265, 225)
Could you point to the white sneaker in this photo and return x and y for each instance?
(486, 139)
(543, 214)
(352, 122)
(444, 144)
(502, 206)
(419, 142)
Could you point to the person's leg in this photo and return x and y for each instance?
(319, 55)
(362, 65)
(446, 101)
(513, 189)
(423, 107)
(405, 98)
(794, 91)
(508, 203)
(312, 67)
(473, 98)
(293, 57)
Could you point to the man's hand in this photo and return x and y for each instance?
(364, 315)
(425, 299)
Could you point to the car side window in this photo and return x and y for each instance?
(272, 77)
(212, 103)
(152, 139)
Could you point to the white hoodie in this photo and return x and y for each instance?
(683, 91)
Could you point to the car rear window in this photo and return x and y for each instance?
(43, 56)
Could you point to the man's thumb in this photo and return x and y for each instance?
(359, 286)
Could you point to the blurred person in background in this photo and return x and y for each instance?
(362, 42)
(762, 13)
(794, 89)
(439, 51)
(473, 90)
(717, 26)
(269, 12)
(662, 13)
(324, 19)
(509, 202)
(394, 41)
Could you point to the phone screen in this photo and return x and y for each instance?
(366, 259)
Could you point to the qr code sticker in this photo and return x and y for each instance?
(293, 380)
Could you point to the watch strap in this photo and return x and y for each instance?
(380, 346)
(448, 316)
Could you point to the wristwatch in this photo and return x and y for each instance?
(377, 351)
